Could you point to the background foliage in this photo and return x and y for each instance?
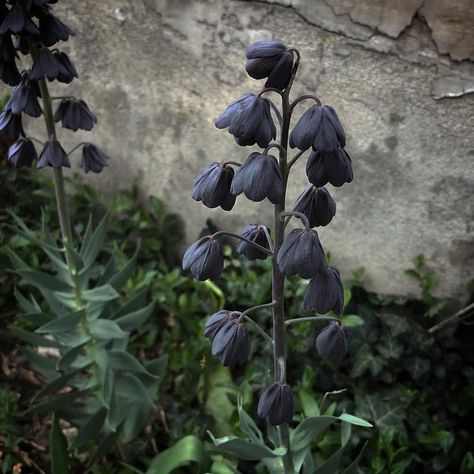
(418, 389)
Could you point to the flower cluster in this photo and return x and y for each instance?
(29, 27)
(251, 121)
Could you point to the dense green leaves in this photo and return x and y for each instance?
(58, 449)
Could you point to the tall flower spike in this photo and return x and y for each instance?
(22, 153)
(256, 233)
(276, 404)
(216, 322)
(252, 122)
(212, 186)
(270, 59)
(331, 167)
(331, 343)
(53, 154)
(93, 159)
(325, 293)
(317, 205)
(301, 254)
(320, 128)
(259, 178)
(232, 344)
(204, 258)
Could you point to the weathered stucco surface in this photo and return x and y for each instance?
(158, 72)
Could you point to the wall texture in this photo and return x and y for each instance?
(398, 72)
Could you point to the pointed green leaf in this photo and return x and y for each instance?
(91, 429)
(308, 429)
(16, 261)
(106, 329)
(55, 385)
(70, 356)
(36, 318)
(25, 304)
(44, 365)
(354, 420)
(43, 280)
(66, 323)
(57, 403)
(135, 303)
(132, 321)
(94, 242)
(109, 271)
(34, 339)
(331, 465)
(58, 450)
(119, 279)
(101, 293)
(123, 360)
(247, 425)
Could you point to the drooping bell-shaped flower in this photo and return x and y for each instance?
(317, 205)
(320, 128)
(330, 167)
(325, 293)
(255, 233)
(17, 21)
(332, 342)
(249, 120)
(232, 344)
(93, 159)
(217, 321)
(52, 30)
(10, 124)
(276, 404)
(53, 154)
(24, 98)
(75, 114)
(46, 65)
(22, 153)
(270, 59)
(212, 186)
(301, 254)
(204, 258)
(259, 178)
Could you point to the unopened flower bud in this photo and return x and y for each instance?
(276, 404)
(232, 344)
(317, 205)
(325, 293)
(333, 167)
(204, 258)
(216, 322)
(331, 343)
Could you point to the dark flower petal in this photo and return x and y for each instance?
(68, 71)
(264, 49)
(9, 73)
(216, 322)
(276, 404)
(17, 21)
(204, 258)
(53, 154)
(47, 65)
(332, 167)
(331, 343)
(232, 344)
(317, 205)
(75, 114)
(259, 68)
(93, 159)
(22, 153)
(255, 233)
(10, 124)
(24, 99)
(280, 75)
(7, 50)
(335, 122)
(52, 30)
(301, 254)
(212, 186)
(224, 120)
(259, 178)
(325, 293)
(303, 133)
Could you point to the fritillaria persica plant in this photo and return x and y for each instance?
(104, 391)
(253, 120)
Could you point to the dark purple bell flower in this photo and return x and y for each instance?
(22, 153)
(276, 404)
(7, 50)
(255, 233)
(46, 65)
(9, 73)
(320, 128)
(24, 98)
(301, 254)
(232, 344)
(204, 258)
(212, 186)
(93, 159)
(325, 293)
(317, 205)
(332, 167)
(259, 178)
(75, 114)
(53, 154)
(68, 71)
(224, 120)
(10, 124)
(52, 30)
(270, 59)
(217, 321)
(17, 20)
(331, 343)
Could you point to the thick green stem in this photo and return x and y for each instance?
(278, 280)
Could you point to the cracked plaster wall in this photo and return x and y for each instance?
(158, 72)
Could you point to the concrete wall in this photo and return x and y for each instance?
(398, 72)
